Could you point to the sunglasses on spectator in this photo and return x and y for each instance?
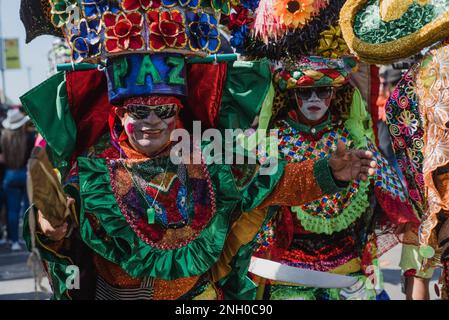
(140, 112)
(321, 92)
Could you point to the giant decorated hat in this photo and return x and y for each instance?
(385, 31)
(98, 29)
(286, 28)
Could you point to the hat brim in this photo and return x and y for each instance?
(16, 125)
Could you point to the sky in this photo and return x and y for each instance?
(33, 55)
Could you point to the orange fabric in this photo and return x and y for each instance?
(297, 186)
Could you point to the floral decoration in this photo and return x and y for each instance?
(332, 44)
(133, 5)
(85, 40)
(94, 8)
(407, 123)
(220, 5)
(239, 16)
(123, 31)
(204, 33)
(192, 4)
(294, 13)
(167, 29)
(63, 11)
(238, 37)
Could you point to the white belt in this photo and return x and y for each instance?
(310, 278)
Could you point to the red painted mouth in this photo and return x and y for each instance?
(314, 109)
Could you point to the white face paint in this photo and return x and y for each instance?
(313, 108)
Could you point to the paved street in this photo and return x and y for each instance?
(16, 282)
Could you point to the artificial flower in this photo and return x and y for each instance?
(192, 4)
(204, 33)
(94, 8)
(167, 29)
(132, 5)
(294, 13)
(239, 16)
(123, 31)
(85, 40)
(63, 12)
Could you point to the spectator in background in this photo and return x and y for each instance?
(16, 144)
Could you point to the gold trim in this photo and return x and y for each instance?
(389, 52)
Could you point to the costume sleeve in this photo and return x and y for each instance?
(301, 183)
(291, 184)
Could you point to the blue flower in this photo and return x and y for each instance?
(204, 33)
(250, 4)
(94, 8)
(85, 40)
(238, 38)
(183, 3)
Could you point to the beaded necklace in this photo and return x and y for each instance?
(151, 212)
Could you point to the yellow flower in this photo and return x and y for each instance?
(294, 13)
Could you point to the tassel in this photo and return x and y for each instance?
(267, 25)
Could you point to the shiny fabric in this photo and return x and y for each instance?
(432, 91)
(89, 106)
(205, 88)
(126, 249)
(56, 124)
(246, 87)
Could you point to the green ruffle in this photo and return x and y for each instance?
(122, 245)
(317, 224)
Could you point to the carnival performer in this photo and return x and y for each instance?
(417, 118)
(341, 232)
(137, 225)
(303, 250)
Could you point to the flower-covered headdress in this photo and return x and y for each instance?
(97, 29)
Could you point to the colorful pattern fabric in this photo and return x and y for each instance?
(331, 213)
(433, 90)
(187, 204)
(314, 71)
(406, 129)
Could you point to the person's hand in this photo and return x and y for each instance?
(347, 165)
(57, 232)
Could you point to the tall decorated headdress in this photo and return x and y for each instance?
(123, 49)
(302, 38)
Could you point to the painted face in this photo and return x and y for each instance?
(149, 127)
(314, 102)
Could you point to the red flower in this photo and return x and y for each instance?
(167, 29)
(132, 5)
(123, 31)
(239, 17)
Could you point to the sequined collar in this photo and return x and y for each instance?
(313, 130)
